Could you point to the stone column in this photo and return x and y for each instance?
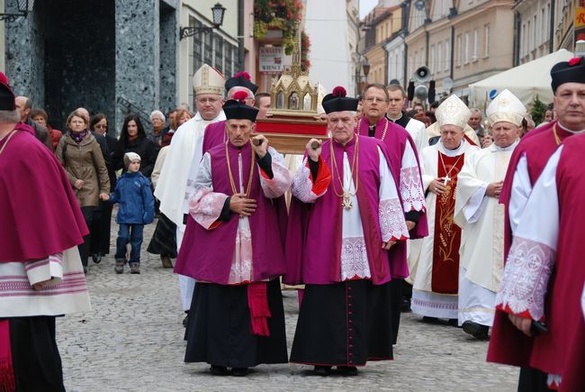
(24, 58)
(169, 38)
(137, 58)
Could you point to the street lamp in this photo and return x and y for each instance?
(366, 68)
(217, 12)
(23, 6)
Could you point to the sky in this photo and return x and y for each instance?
(366, 6)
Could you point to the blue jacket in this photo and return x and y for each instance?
(135, 197)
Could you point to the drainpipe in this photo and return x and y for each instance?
(517, 38)
(452, 52)
(406, 78)
(241, 48)
(427, 49)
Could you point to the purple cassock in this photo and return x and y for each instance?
(313, 247)
(215, 134)
(395, 138)
(207, 255)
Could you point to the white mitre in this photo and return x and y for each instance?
(506, 107)
(453, 112)
(208, 80)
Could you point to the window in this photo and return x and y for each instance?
(486, 49)
(440, 66)
(219, 53)
(432, 59)
(447, 55)
(207, 49)
(467, 47)
(529, 45)
(475, 54)
(459, 50)
(228, 68)
(197, 50)
(543, 20)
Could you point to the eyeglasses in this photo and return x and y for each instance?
(100, 126)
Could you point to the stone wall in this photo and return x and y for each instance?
(92, 53)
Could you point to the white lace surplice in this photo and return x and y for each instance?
(532, 254)
(411, 188)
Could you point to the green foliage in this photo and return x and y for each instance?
(282, 15)
(538, 109)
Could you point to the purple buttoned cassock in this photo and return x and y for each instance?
(207, 255)
(313, 246)
(395, 141)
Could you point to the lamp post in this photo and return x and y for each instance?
(366, 68)
(217, 12)
(23, 7)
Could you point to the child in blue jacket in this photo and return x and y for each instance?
(136, 209)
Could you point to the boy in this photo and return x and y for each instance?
(136, 209)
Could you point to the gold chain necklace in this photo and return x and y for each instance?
(446, 179)
(346, 194)
(556, 135)
(231, 177)
(385, 129)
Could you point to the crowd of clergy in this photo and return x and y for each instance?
(380, 208)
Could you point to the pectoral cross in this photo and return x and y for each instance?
(446, 179)
(346, 203)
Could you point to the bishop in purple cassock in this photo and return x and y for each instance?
(349, 212)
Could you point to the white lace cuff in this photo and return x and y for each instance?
(392, 223)
(411, 190)
(526, 275)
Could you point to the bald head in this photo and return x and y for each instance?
(23, 106)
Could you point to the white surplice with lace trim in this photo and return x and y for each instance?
(206, 206)
(354, 258)
(533, 251)
(411, 187)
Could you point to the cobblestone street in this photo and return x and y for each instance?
(132, 340)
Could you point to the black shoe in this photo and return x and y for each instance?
(219, 370)
(186, 320)
(348, 371)
(240, 372)
(453, 323)
(405, 305)
(322, 370)
(85, 269)
(476, 330)
(97, 258)
(430, 320)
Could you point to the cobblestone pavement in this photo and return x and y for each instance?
(132, 340)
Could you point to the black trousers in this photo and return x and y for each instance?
(84, 248)
(35, 356)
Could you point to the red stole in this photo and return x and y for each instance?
(445, 274)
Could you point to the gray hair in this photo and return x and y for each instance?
(157, 113)
(476, 110)
(9, 116)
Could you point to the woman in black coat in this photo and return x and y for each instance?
(133, 139)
